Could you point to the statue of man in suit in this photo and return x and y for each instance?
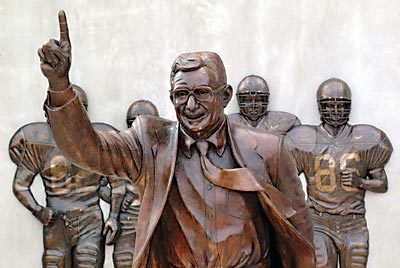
(213, 194)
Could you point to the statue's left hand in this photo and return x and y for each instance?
(55, 57)
(111, 230)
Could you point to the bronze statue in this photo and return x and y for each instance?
(72, 219)
(253, 98)
(340, 162)
(124, 244)
(138, 108)
(213, 194)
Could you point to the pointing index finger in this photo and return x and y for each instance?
(62, 20)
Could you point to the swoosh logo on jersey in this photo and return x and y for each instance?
(273, 127)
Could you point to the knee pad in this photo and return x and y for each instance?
(123, 259)
(87, 256)
(358, 255)
(53, 258)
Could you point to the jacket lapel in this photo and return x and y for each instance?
(244, 148)
(158, 186)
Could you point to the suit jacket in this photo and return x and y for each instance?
(146, 153)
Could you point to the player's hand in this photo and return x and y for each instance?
(111, 230)
(55, 57)
(128, 199)
(350, 178)
(46, 216)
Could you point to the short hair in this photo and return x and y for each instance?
(187, 62)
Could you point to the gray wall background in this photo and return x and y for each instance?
(123, 50)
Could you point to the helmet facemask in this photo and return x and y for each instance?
(253, 105)
(334, 111)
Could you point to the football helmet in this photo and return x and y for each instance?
(140, 107)
(252, 96)
(334, 102)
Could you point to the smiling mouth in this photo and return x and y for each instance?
(194, 117)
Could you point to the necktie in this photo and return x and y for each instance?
(241, 179)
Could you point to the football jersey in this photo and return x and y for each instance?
(33, 148)
(275, 121)
(322, 158)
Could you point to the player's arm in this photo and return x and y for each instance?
(288, 182)
(27, 158)
(105, 191)
(22, 182)
(290, 146)
(112, 153)
(117, 195)
(377, 181)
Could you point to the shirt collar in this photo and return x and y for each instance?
(218, 138)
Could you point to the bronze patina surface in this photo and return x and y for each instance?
(340, 163)
(72, 219)
(213, 193)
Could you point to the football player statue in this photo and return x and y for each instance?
(72, 219)
(124, 244)
(253, 97)
(340, 162)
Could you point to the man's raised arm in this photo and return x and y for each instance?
(107, 153)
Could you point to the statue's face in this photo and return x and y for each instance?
(253, 105)
(335, 112)
(198, 101)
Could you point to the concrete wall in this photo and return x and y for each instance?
(123, 50)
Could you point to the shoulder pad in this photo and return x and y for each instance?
(367, 133)
(38, 132)
(279, 115)
(234, 118)
(303, 137)
(103, 126)
(281, 121)
(304, 134)
(33, 135)
(367, 136)
(374, 143)
(254, 138)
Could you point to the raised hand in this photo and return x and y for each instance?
(55, 57)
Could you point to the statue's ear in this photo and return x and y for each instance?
(227, 95)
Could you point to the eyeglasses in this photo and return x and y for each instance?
(181, 95)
